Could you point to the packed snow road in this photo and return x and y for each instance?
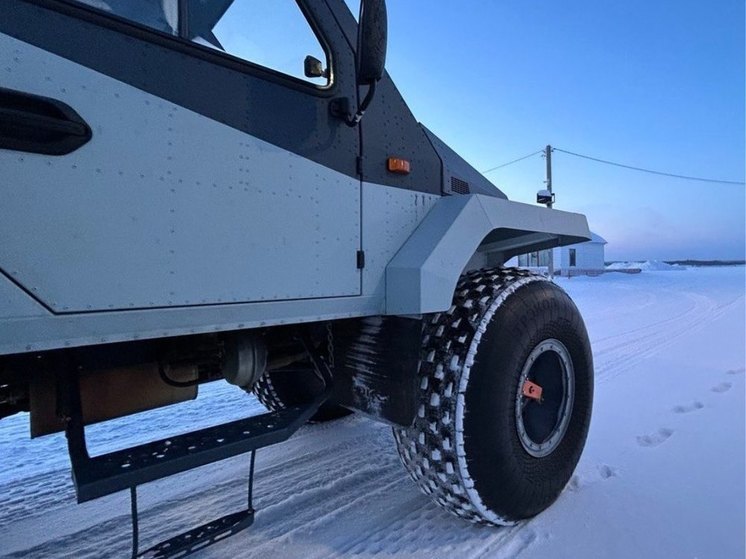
(662, 474)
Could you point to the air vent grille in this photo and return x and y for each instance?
(459, 186)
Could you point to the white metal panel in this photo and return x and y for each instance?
(164, 207)
(55, 331)
(14, 303)
(390, 215)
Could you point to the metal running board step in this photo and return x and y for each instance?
(197, 538)
(102, 475)
(126, 469)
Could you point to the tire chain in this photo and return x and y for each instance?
(428, 448)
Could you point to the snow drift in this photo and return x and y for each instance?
(646, 266)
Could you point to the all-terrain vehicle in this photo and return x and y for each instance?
(200, 190)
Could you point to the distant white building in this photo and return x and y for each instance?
(573, 260)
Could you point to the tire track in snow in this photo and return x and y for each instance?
(425, 529)
(36, 495)
(307, 524)
(653, 338)
(302, 488)
(518, 540)
(207, 487)
(383, 474)
(632, 346)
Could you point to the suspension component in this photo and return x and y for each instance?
(244, 358)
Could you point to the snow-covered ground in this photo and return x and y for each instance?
(647, 265)
(662, 474)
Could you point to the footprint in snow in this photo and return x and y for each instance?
(722, 387)
(574, 483)
(528, 536)
(659, 437)
(606, 472)
(735, 371)
(691, 407)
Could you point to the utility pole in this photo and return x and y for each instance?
(548, 155)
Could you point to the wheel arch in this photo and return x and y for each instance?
(467, 232)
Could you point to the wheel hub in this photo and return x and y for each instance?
(544, 399)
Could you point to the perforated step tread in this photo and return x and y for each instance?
(195, 539)
(108, 473)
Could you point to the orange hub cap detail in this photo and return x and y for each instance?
(532, 390)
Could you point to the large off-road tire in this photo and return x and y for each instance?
(279, 389)
(478, 446)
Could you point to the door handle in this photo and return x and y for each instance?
(37, 124)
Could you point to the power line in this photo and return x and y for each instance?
(674, 175)
(511, 162)
(632, 167)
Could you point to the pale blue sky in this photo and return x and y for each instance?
(649, 83)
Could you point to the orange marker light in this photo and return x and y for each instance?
(397, 165)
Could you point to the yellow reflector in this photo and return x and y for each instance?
(397, 165)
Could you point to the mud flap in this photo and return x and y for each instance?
(376, 361)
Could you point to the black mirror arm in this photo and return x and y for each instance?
(353, 120)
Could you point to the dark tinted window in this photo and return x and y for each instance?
(271, 33)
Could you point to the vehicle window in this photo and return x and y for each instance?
(273, 34)
(162, 15)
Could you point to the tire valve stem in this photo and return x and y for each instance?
(532, 390)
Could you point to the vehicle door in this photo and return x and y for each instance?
(176, 152)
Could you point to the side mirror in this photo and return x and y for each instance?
(371, 41)
(313, 68)
(371, 58)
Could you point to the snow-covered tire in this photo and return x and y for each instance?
(464, 448)
(277, 390)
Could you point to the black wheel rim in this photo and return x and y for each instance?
(544, 399)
